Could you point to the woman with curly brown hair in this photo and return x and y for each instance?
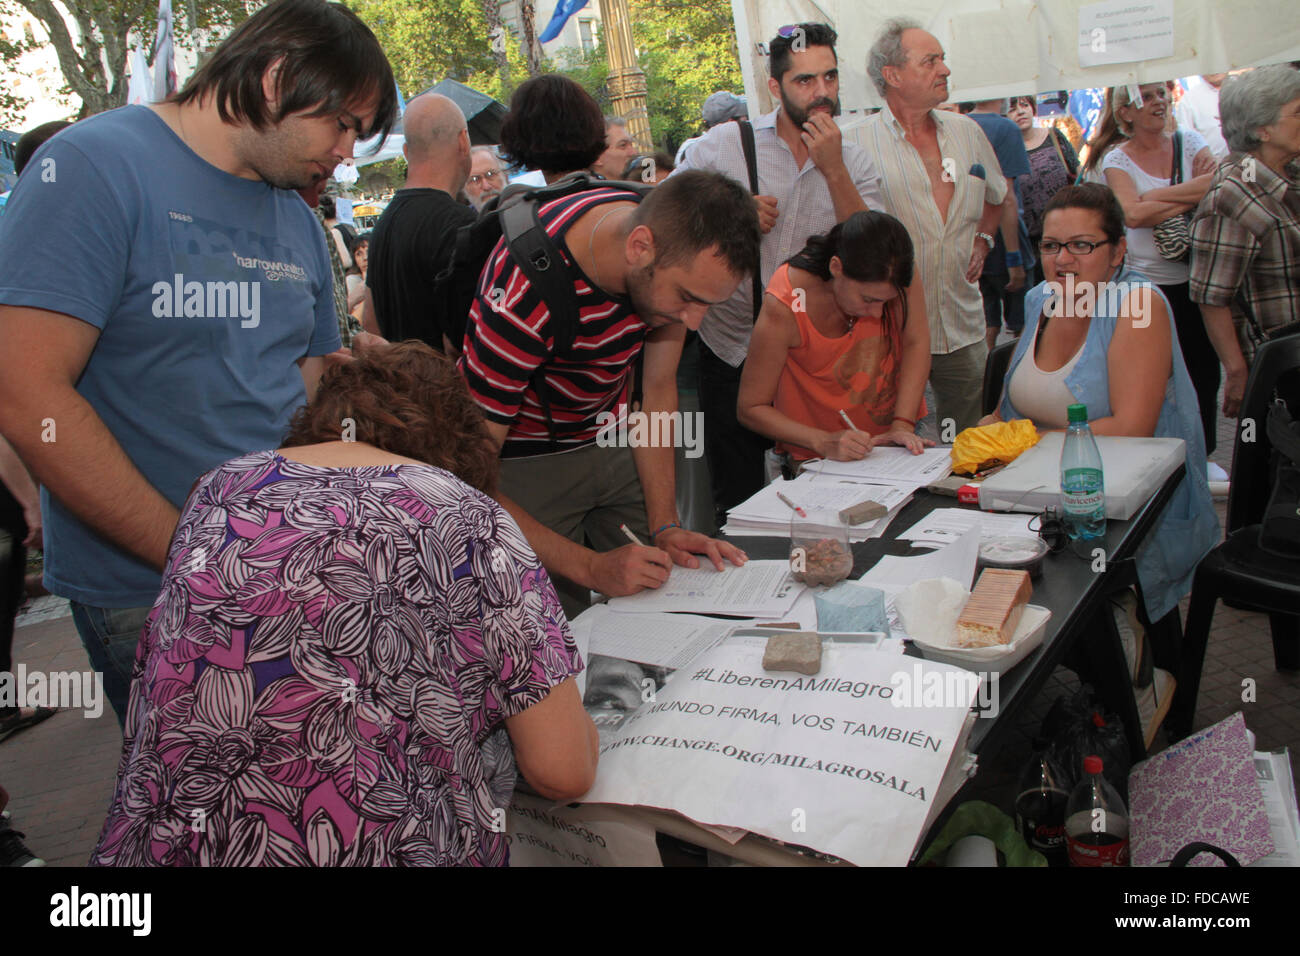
(350, 636)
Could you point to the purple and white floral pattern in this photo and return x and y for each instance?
(323, 678)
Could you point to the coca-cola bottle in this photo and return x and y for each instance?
(1096, 820)
(1040, 808)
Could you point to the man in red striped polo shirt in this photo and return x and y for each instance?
(643, 274)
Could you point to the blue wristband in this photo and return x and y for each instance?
(1013, 259)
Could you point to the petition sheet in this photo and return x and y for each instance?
(829, 761)
(762, 589)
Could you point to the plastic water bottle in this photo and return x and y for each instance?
(1096, 821)
(1083, 493)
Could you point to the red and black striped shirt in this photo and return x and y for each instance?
(507, 341)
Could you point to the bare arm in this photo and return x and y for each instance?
(1138, 365)
(625, 570)
(775, 333)
(556, 744)
(915, 369)
(311, 368)
(980, 250)
(1143, 212)
(84, 466)
(1010, 223)
(369, 318)
(1223, 336)
(825, 145)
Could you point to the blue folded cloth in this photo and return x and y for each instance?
(851, 608)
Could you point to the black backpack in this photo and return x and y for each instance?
(512, 215)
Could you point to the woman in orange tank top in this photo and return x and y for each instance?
(834, 335)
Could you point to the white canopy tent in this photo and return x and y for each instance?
(1009, 47)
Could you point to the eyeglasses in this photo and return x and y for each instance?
(1077, 247)
(491, 175)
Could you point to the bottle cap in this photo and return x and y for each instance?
(1077, 413)
(1092, 764)
(1097, 719)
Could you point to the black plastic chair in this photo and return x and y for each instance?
(1237, 570)
(995, 370)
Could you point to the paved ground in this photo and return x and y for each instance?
(60, 773)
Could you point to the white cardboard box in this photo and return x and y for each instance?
(1133, 468)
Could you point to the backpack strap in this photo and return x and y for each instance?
(751, 165)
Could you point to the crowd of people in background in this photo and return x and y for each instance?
(381, 472)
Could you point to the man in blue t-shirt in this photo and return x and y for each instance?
(1002, 283)
(167, 302)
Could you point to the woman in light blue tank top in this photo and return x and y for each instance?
(1130, 371)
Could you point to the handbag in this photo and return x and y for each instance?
(1173, 237)
(1279, 530)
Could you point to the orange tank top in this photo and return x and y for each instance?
(857, 372)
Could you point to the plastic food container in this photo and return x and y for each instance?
(1015, 552)
(999, 657)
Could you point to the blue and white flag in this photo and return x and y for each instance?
(1086, 106)
(164, 55)
(563, 10)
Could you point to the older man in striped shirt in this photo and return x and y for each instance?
(941, 179)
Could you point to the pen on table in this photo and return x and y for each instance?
(630, 536)
(792, 506)
(848, 421)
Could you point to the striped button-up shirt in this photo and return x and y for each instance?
(953, 306)
(1246, 237)
(804, 208)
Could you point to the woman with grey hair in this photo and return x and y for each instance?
(1246, 233)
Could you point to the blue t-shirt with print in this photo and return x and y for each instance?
(206, 289)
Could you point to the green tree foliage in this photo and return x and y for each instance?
(687, 49)
(433, 40)
(92, 55)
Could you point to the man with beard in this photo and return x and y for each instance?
(808, 180)
(572, 471)
(942, 180)
(167, 302)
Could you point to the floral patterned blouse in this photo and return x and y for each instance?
(323, 678)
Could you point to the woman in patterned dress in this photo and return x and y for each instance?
(351, 634)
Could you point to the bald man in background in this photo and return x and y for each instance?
(414, 238)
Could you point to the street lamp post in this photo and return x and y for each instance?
(626, 81)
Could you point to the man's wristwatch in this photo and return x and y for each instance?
(986, 237)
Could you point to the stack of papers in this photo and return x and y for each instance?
(766, 514)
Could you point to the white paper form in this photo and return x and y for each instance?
(943, 525)
(762, 589)
(892, 463)
(660, 640)
(893, 574)
(1273, 771)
